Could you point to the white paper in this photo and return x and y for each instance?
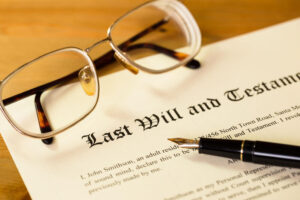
(143, 164)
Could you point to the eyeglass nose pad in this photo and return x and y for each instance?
(131, 68)
(87, 81)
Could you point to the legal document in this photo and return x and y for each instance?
(247, 88)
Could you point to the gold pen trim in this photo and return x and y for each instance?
(242, 149)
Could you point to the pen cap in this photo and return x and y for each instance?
(275, 154)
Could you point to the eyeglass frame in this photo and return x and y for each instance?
(119, 55)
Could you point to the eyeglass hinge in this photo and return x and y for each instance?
(125, 64)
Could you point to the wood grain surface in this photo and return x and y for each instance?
(29, 28)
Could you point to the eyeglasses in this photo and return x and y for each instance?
(60, 88)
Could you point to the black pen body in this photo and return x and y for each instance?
(252, 151)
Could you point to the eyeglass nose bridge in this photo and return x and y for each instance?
(117, 56)
(96, 44)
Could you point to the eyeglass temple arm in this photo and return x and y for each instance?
(44, 124)
(193, 64)
(99, 63)
(40, 88)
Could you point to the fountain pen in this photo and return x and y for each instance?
(249, 151)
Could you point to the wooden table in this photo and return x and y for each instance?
(33, 27)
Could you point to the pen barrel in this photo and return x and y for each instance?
(220, 147)
(271, 153)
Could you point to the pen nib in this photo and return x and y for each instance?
(185, 143)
